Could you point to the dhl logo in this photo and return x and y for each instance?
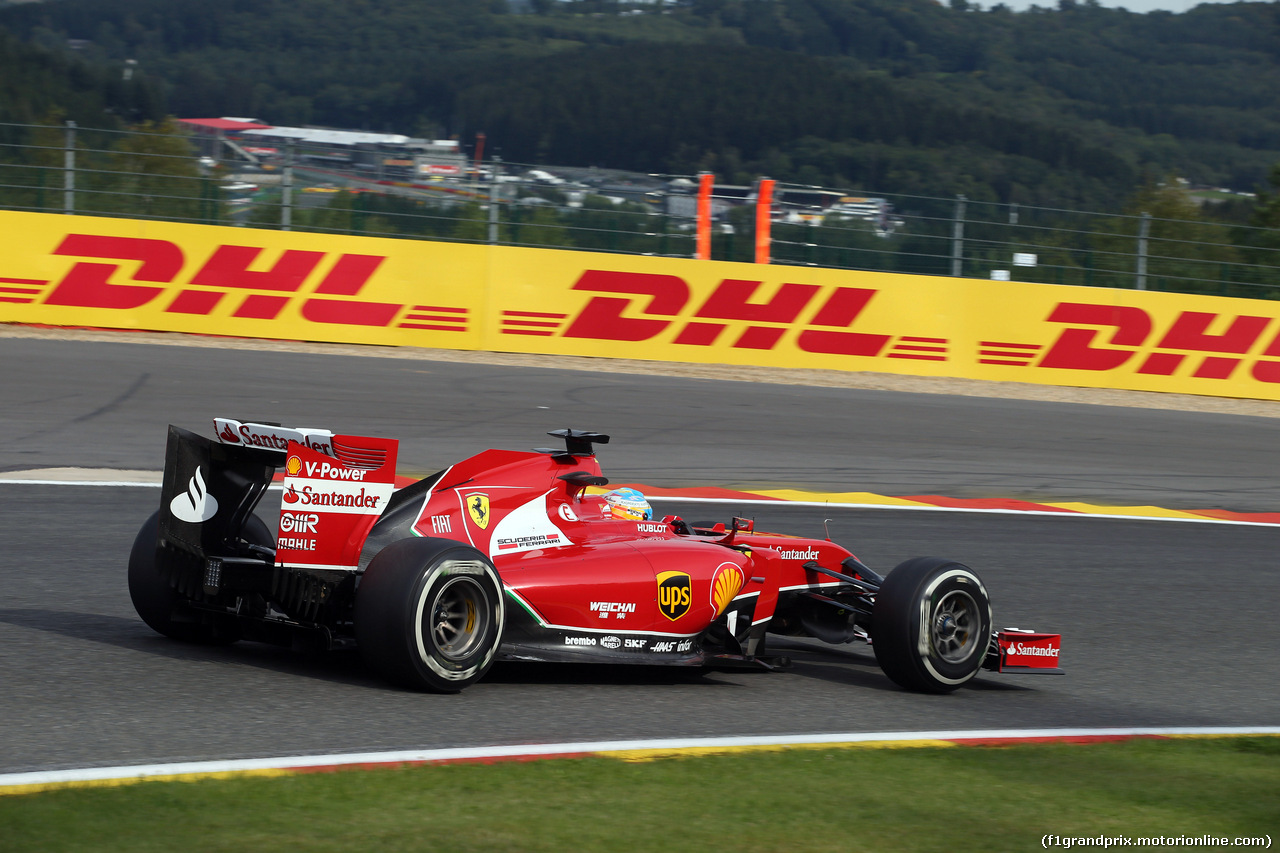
(1110, 337)
(251, 282)
(638, 307)
(227, 274)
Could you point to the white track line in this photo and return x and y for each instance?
(492, 753)
(18, 481)
(133, 484)
(971, 510)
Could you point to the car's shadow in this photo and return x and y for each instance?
(340, 667)
(527, 672)
(132, 633)
(854, 666)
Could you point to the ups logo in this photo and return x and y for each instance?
(674, 594)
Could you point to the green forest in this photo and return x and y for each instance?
(1071, 106)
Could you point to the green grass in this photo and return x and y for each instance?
(848, 800)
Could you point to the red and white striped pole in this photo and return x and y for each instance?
(706, 181)
(764, 218)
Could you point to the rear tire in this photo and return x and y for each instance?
(429, 614)
(931, 625)
(156, 601)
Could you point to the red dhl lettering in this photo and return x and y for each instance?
(641, 306)
(126, 273)
(661, 299)
(228, 270)
(1108, 337)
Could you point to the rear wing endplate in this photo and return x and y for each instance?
(209, 490)
(335, 487)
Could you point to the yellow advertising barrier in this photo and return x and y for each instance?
(134, 274)
(114, 273)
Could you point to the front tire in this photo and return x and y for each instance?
(931, 625)
(429, 614)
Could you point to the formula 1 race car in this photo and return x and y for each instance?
(519, 556)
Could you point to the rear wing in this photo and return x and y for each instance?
(330, 504)
(209, 491)
(334, 489)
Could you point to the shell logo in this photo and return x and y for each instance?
(725, 586)
(293, 466)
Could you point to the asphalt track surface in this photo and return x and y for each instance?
(1164, 624)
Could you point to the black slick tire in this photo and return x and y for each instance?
(429, 614)
(157, 603)
(931, 625)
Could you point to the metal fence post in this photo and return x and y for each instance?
(1144, 231)
(957, 239)
(286, 188)
(69, 170)
(493, 199)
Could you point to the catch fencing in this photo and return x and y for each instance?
(171, 175)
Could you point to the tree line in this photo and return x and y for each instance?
(1074, 105)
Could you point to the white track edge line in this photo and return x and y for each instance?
(125, 483)
(771, 502)
(1055, 514)
(133, 484)
(302, 762)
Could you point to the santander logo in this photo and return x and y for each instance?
(195, 505)
(269, 437)
(1032, 651)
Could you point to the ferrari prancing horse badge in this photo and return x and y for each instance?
(478, 509)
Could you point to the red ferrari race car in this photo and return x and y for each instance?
(518, 556)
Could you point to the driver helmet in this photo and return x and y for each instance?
(627, 505)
